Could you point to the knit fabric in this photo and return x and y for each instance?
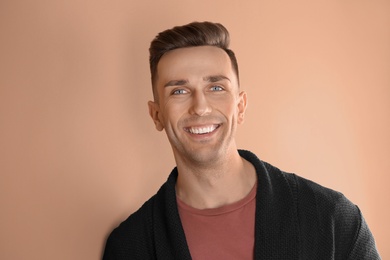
(295, 219)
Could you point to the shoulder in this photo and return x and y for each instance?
(312, 198)
(133, 237)
(138, 221)
(324, 199)
(331, 222)
(306, 192)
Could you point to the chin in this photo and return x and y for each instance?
(206, 156)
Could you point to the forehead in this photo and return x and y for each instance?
(194, 62)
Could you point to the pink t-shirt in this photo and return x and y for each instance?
(224, 233)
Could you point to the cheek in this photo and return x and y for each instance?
(228, 107)
(172, 113)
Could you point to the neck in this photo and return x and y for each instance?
(215, 184)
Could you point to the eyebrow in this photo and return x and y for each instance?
(173, 83)
(215, 78)
(182, 82)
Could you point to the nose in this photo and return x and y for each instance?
(200, 105)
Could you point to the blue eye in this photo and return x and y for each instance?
(179, 92)
(216, 88)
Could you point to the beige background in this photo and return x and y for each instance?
(78, 152)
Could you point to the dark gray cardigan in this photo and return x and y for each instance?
(295, 219)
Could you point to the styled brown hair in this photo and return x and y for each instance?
(189, 35)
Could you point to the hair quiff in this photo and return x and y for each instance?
(189, 35)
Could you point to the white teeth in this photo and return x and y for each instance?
(202, 130)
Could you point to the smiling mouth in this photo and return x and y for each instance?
(201, 130)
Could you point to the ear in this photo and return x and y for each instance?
(154, 112)
(241, 107)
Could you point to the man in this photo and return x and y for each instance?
(220, 202)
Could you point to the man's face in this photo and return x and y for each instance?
(199, 104)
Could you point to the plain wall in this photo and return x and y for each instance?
(79, 153)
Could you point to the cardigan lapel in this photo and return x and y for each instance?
(168, 231)
(276, 228)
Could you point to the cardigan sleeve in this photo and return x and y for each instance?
(364, 246)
